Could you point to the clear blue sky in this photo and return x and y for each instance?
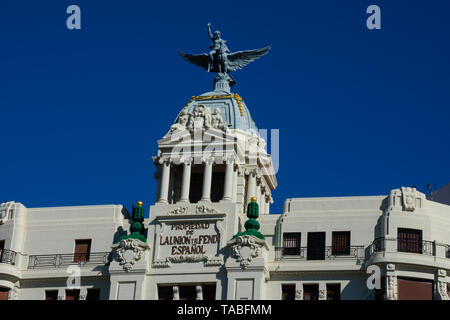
(360, 112)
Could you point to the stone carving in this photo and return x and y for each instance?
(200, 119)
(217, 121)
(322, 294)
(409, 198)
(299, 294)
(187, 258)
(391, 291)
(202, 209)
(208, 261)
(83, 297)
(180, 210)
(442, 290)
(214, 261)
(221, 60)
(5, 209)
(160, 263)
(60, 298)
(129, 251)
(176, 293)
(14, 292)
(390, 267)
(199, 292)
(245, 248)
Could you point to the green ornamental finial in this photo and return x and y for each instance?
(252, 225)
(137, 227)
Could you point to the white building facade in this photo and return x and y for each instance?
(196, 243)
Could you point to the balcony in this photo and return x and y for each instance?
(422, 247)
(64, 260)
(301, 253)
(8, 256)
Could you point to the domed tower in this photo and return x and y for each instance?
(213, 152)
(210, 165)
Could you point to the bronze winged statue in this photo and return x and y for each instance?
(220, 59)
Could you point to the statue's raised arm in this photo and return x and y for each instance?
(209, 31)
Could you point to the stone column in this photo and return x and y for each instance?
(207, 177)
(251, 185)
(186, 181)
(165, 178)
(198, 289)
(228, 183)
(176, 293)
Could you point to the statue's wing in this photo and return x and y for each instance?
(199, 59)
(238, 60)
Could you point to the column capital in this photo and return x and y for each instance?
(187, 160)
(229, 160)
(208, 160)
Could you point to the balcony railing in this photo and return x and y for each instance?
(62, 260)
(327, 253)
(424, 247)
(8, 256)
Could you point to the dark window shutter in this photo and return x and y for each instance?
(340, 243)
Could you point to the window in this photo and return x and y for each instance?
(340, 243)
(165, 293)
(93, 294)
(409, 240)
(288, 292)
(291, 244)
(311, 292)
(4, 293)
(51, 294)
(316, 246)
(217, 183)
(72, 294)
(196, 186)
(82, 250)
(209, 291)
(334, 291)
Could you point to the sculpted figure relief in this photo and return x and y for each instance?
(200, 118)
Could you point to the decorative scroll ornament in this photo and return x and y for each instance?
(176, 211)
(202, 209)
(129, 251)
(299, 294)
(209, 261)
(200, 118)
(409, 198)
(245, 248)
